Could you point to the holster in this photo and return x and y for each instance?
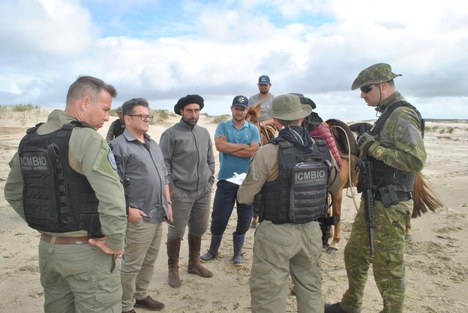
(259, 206)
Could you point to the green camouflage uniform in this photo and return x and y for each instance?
(400, 145)
(80, 277)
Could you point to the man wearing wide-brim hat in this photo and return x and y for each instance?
(189, 158)
(288, 238)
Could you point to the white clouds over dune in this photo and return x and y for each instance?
(219, 48)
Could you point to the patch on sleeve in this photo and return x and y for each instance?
(111, 158)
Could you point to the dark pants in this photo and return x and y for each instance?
(223, 205)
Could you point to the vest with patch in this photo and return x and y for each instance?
(299, 194)
(55, 197)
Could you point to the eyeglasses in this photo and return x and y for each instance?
(143, 117)
(366, 88)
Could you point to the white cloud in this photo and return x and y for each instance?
(229, 44)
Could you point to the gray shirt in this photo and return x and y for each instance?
(143, 165)
(266, 104)
(188, 154)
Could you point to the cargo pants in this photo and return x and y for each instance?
(388, 263)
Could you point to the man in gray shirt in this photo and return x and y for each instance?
(140, 166)
(189, 158)
(265, 98)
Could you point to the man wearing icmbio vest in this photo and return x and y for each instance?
(291, 175)
(63, 182)
(395, 149)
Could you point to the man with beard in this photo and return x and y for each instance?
(265, 98)
(188, 155)
(237, 141)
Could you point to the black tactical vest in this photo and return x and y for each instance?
(385, 177)
(299, 194)
(55, 197)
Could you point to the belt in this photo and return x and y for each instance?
(402, 196)
(65, 240)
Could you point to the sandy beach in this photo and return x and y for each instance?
(436, 257)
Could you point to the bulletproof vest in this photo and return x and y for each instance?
(384, 176)
(299, 194)
(55, 197)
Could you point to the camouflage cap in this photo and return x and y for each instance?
(374, 74)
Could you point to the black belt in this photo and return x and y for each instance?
(402, 196)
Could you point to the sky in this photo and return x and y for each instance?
(164, 50)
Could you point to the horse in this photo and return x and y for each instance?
(267, 132)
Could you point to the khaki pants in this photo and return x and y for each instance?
(141, 251)
(388, 263)
(280, 251)
(79, 278)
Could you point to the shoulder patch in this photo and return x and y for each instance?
(111, 158)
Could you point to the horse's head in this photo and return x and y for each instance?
(253, 113)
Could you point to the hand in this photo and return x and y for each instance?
(135, 215)
(365, 142)
(101, 243)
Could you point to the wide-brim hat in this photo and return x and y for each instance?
(289, 108)
(188, 99)
(374, 74)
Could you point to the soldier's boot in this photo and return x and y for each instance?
(194, 266)
(173, 250)
(336, 308)
(213, 251)
(238, 243)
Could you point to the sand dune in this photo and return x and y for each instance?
(437, 257)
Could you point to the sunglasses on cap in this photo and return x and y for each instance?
(366, 88)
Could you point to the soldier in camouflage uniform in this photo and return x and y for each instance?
(399, 148)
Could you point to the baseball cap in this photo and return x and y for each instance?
(241, 101)
(264, 80)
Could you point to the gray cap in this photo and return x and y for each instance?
(374, 74)
(289, 108)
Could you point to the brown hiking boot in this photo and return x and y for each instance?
(149, 304)
(194, 265)
(173, 249)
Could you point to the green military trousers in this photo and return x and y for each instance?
(388, 263)
(79, 278)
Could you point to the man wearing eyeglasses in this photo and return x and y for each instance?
(141, 168)
(395, 148)
(189, 158)
(237, 141)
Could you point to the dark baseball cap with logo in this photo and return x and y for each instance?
(241, 101)
(264, 80)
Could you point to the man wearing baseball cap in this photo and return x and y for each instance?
(287, 181)
(237, 141)
(188, 155)
(264, 97)
(395, 148)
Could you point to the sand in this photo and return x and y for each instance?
(436, 257)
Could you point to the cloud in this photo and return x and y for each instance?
(218, 49)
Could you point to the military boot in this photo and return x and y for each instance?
(336, 308)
